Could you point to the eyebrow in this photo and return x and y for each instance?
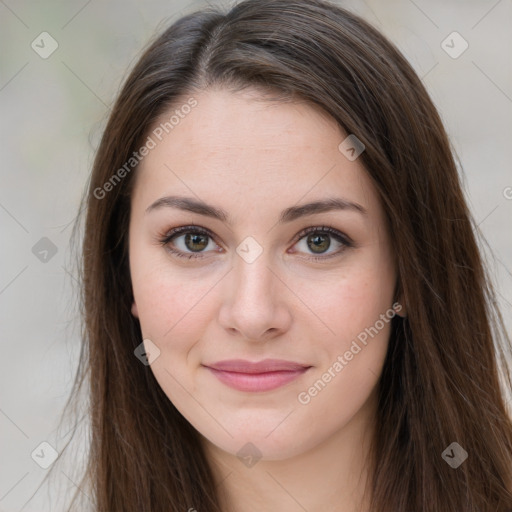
(288, 215)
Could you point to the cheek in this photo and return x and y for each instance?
(352, 359)
(349, 301)
(355, 309)
(170, 300)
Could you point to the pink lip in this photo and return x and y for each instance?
(261, 376)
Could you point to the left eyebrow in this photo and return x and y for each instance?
(290, 214)
(324, 205)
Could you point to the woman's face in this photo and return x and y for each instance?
(254, 283)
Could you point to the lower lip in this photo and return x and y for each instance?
(256, 381)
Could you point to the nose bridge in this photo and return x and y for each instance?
(254, 282)
(250, 304)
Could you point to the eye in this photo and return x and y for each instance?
(194, 239)
(191, 242)
(318, 241)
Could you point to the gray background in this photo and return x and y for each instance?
(53, 111)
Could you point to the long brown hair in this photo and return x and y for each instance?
(441, 379)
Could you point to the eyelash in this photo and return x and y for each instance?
(337, 235)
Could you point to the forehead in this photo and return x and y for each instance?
(246, 122)
(241, 147)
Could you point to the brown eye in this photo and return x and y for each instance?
(318, 240)
(318, 243)
(189, 242)
(196, 242)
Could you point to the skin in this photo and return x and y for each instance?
(254, 158)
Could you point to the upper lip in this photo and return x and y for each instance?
(267, 365)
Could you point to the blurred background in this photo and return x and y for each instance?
(61, 65)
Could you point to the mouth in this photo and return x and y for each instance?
(256, 376)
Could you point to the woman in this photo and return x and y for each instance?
(285, 307)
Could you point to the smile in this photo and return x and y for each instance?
(254, 377)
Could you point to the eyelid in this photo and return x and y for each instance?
(323, 229)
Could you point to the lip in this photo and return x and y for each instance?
(256, 376)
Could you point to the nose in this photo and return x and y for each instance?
(254, 305)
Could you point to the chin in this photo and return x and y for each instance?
(263, 443)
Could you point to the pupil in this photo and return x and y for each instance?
(317, 242)
(196, 239)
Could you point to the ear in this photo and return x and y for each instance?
(135, 312)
